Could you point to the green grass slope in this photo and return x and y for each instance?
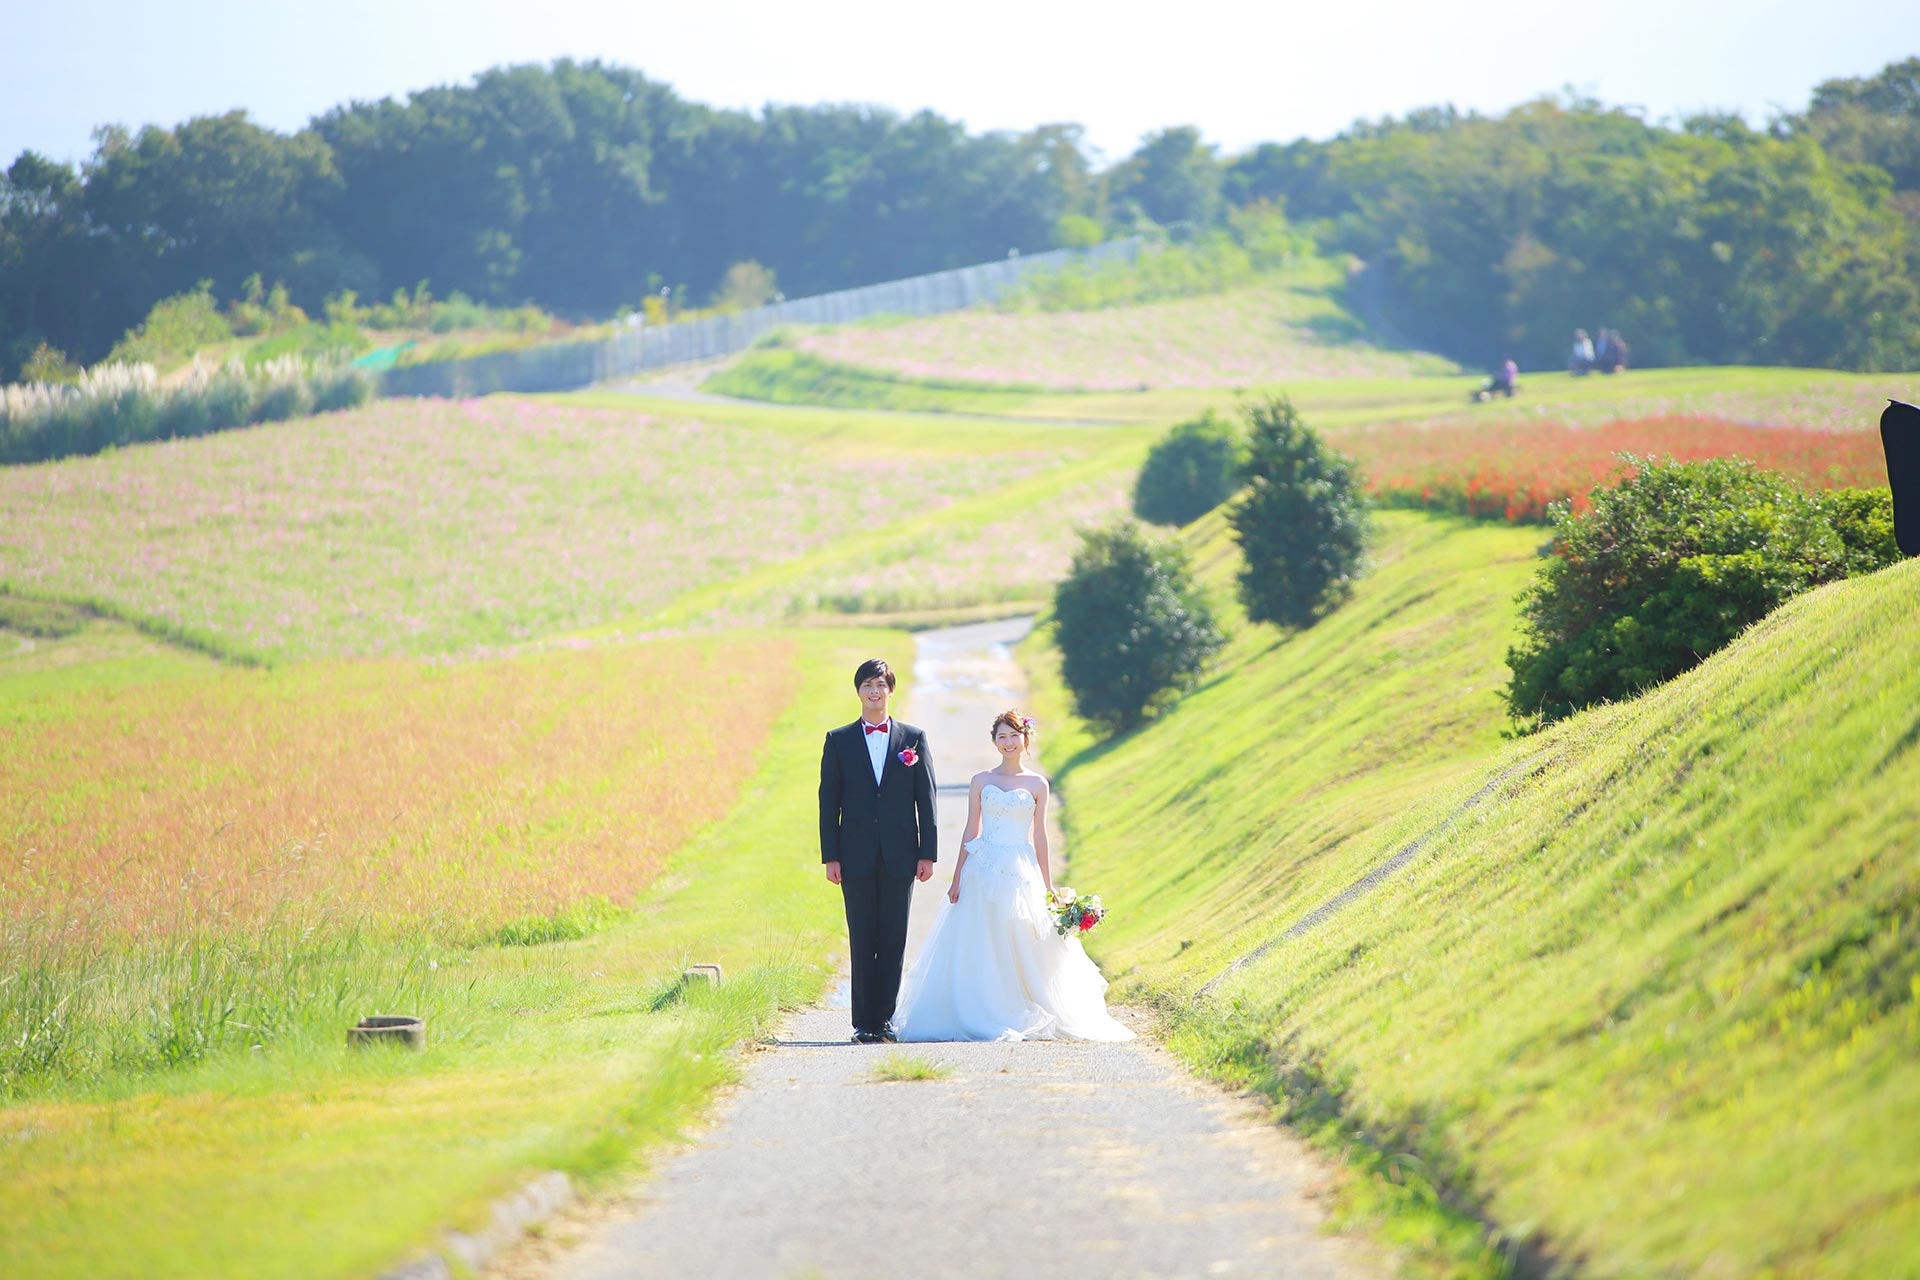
(1334, 732)
(1817, 398)
(1814, 398)
(1653, 1007)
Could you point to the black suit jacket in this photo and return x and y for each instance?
(869, 829)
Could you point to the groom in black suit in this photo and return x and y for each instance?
(876, 838)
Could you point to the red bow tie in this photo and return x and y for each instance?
(877, 728)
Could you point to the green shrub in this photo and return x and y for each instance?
(1077, 231)
(1302, 525)
(524, 320)
(1863, 519)
(420, 310)
(176, 327)
(311, 340)
(1191, 470)
(263, 311)
(404, 311)
(1131, 626)
(457, 312)
(746, 284)
(1671, 565)
(49, 365)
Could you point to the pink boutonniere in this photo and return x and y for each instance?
(909, 757)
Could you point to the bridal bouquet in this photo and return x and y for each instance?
(1075, 913)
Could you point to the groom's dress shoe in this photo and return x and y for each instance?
(888, 1035)
(866, 1037)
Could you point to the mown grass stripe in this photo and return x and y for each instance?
(1534, 764)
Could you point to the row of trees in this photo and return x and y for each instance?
(581, 187)
(1713, 242)
(1133, 627)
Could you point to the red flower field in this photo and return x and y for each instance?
(1513, 471)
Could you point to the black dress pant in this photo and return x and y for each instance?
(877, 907)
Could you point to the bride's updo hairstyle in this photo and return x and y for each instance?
(1016, 720)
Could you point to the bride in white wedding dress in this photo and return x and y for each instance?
(993, 967)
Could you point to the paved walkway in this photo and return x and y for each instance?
(1037, 1160)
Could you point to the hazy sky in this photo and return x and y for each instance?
(1243, 72)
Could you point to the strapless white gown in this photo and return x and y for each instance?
(993, 968)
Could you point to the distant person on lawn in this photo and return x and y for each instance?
(1611, 356)
(1506, 379)
(1581, 361)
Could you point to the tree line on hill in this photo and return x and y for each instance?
(585, 187)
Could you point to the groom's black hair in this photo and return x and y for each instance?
(873, 667)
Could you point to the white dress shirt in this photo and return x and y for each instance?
(877, 745)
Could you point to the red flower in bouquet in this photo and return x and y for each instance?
(909, 757)
(1074, 912)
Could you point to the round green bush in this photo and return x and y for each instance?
(1671, 565)
(1302, 525)
(1191, 470)
(1131, 626)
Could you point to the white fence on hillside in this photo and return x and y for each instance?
(562, 366)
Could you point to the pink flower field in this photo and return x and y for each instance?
(1516, 471)
(443, 798)
(424, 527)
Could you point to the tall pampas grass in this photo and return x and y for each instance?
(121, 404)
